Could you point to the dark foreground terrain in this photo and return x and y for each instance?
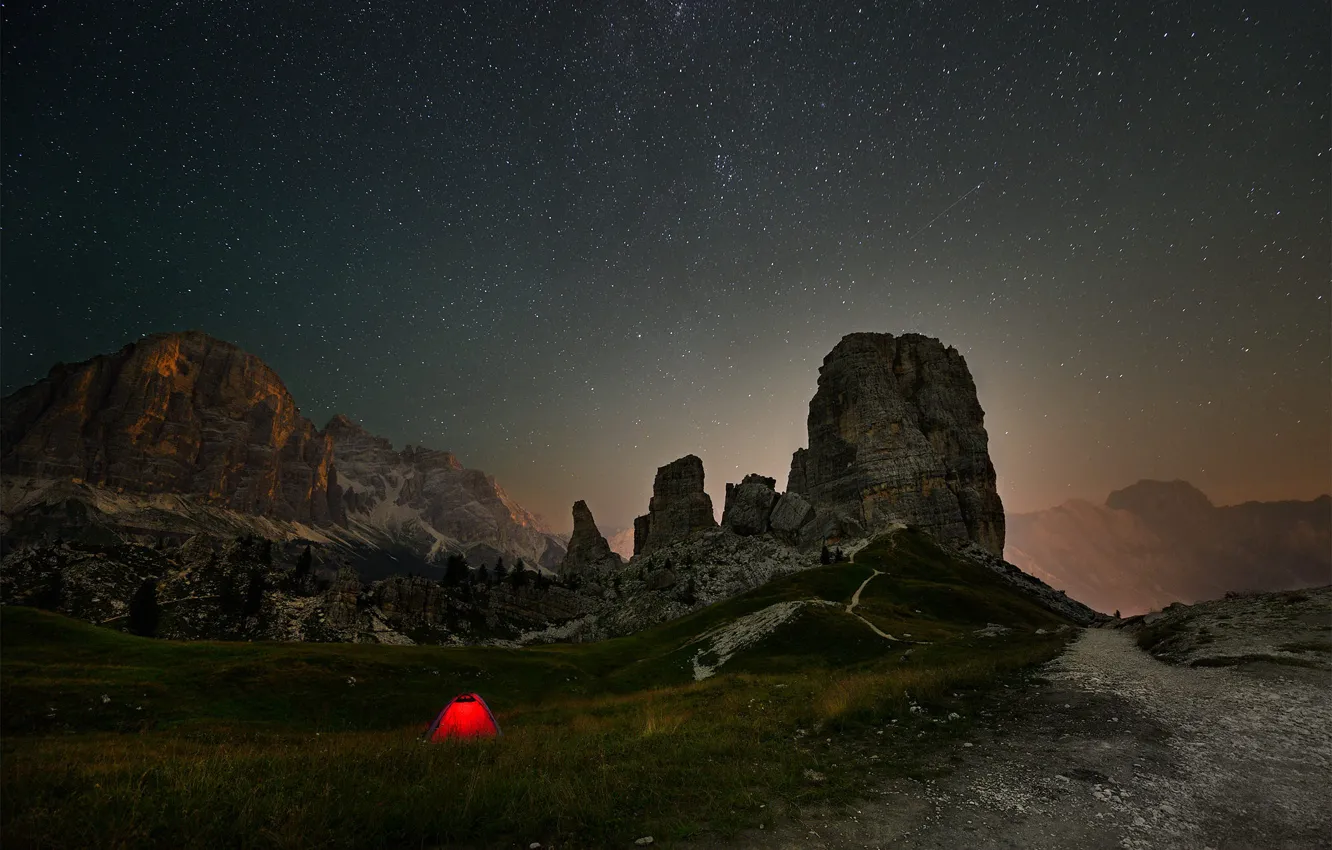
(695, 730)
(908, 700)
(1113, 748)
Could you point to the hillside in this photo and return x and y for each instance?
(325, 735)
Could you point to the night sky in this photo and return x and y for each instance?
(574, 241)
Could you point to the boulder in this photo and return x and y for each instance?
(749, 504)
(661, 579)
(678, 509)
(791, 513)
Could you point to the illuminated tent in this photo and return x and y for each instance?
(466, 716)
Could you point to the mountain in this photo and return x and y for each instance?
(179, 471)
(180, 434)
(897, 435)
(1158, 542)
(425, 501)
(622, 542)
(174, 413)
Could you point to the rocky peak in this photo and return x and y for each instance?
(588, 549)
(896, 434)
(431, 458)
(426, 499)
(1148, 498)
(679, 506)
(174, 413)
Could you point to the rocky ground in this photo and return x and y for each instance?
(1291, 628)
(1116, 749)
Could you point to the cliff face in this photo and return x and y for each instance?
(175, 413)
(679, 506)
(181, 433)
(896, 434)
(428, 500)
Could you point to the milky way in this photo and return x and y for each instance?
(574, 241)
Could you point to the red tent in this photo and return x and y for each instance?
(466, 716)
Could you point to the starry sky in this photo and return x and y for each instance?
(574, 241)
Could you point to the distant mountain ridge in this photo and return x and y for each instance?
(178, 475)
(180, 433)
(1158, 542)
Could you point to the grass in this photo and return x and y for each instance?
(116, 741)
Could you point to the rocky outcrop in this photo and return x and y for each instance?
(589, 552)
(749, 504)
(427, 501)
(708, 567)
(679, 507)
(791, 513)
(896, 434)
(174, 413)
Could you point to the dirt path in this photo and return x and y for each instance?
(855, 600)
(1118, 750)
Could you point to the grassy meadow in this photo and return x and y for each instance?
(116, 741)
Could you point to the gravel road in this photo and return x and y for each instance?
(1118, 750)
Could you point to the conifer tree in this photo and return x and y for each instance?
(690, 592)
(518, 577)
(254, 593)
(455, 570)
(305, 562)
(143, 610)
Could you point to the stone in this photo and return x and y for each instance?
(588, 549)
(663, 579)
(749, 505)
(679, 506)
(790, 514)
(896, 435)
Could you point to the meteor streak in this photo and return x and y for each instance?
(945, 212)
